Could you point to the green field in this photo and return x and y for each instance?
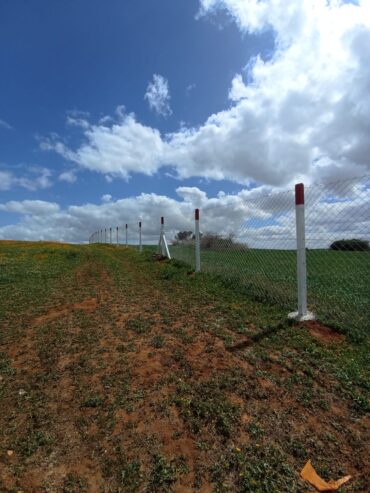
(338, 282)
(124, 372)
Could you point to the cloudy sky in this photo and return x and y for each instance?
(112, 112)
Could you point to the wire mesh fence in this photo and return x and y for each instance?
(259, 253)
(253, 243)
(338, 255)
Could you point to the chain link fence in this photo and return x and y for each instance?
(338, 255)
(253, 243)
(260, 252)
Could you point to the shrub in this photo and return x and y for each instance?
(214, 241)
(352, 245)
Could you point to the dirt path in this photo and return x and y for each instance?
(124, 385)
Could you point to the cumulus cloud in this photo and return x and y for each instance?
(30, 207)
(106, 197)
(260, 217)
(68, 176)
(119, 148)
(158, 95)
(303, 115)
(36, 178)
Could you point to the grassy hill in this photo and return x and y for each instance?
(121, 373)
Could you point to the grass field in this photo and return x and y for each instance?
(338, 282)
(122, 373)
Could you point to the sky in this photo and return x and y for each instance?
(117, 111)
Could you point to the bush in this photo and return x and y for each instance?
(214, 241)
(350, 245)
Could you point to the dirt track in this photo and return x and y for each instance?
(128, 381)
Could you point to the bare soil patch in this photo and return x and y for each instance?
(323, 333)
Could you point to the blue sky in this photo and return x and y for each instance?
(93, 56)
(241, 103)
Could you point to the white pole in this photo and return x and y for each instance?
(197, 242)
(110, 234)
(117, 235)
(303, 313)
(105, 235)
(126, 235)
(162, 236)
(140, 242)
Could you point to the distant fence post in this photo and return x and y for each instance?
(117, 235)
(101, 236)
(302, 313)
(126, 234)
(197, 242)
(140, 240)
(162, 245)
(110, 232)
(105, 235)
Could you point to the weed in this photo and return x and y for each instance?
(157, 341)
(163, 474)
(138, 325)
(131, 476)
(204, 405)
(93, 401)
(74, 484)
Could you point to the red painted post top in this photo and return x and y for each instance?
(299, 194)
(126, 226)
(140, 224)
(162, 220)
(197, 214)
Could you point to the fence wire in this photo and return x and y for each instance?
(254, 246)
(252, 242)
(250, 239)
(338, 258)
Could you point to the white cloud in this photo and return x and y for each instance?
(304, 114)
(259, 216)
(190, 88)
(5, 125)
(30, 207)
(158, 95)
(68, 176)
(238, 89)
(106, 197)
(6, 180)
(36, 178)
(118, 149)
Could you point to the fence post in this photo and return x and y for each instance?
(197, 242)
(126, 235)
(110, 234)
(162, 245)
(105, 235)
(302, 313)
(140, 242)
(101, 236)
(117, 235)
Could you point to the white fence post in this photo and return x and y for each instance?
(163, 246)
(117, 235)
(302, 313)
(140, 240)
(105, 235)
(110, 231)
(101, 236)
(126, 234)
(197, 242)
(160, 244)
